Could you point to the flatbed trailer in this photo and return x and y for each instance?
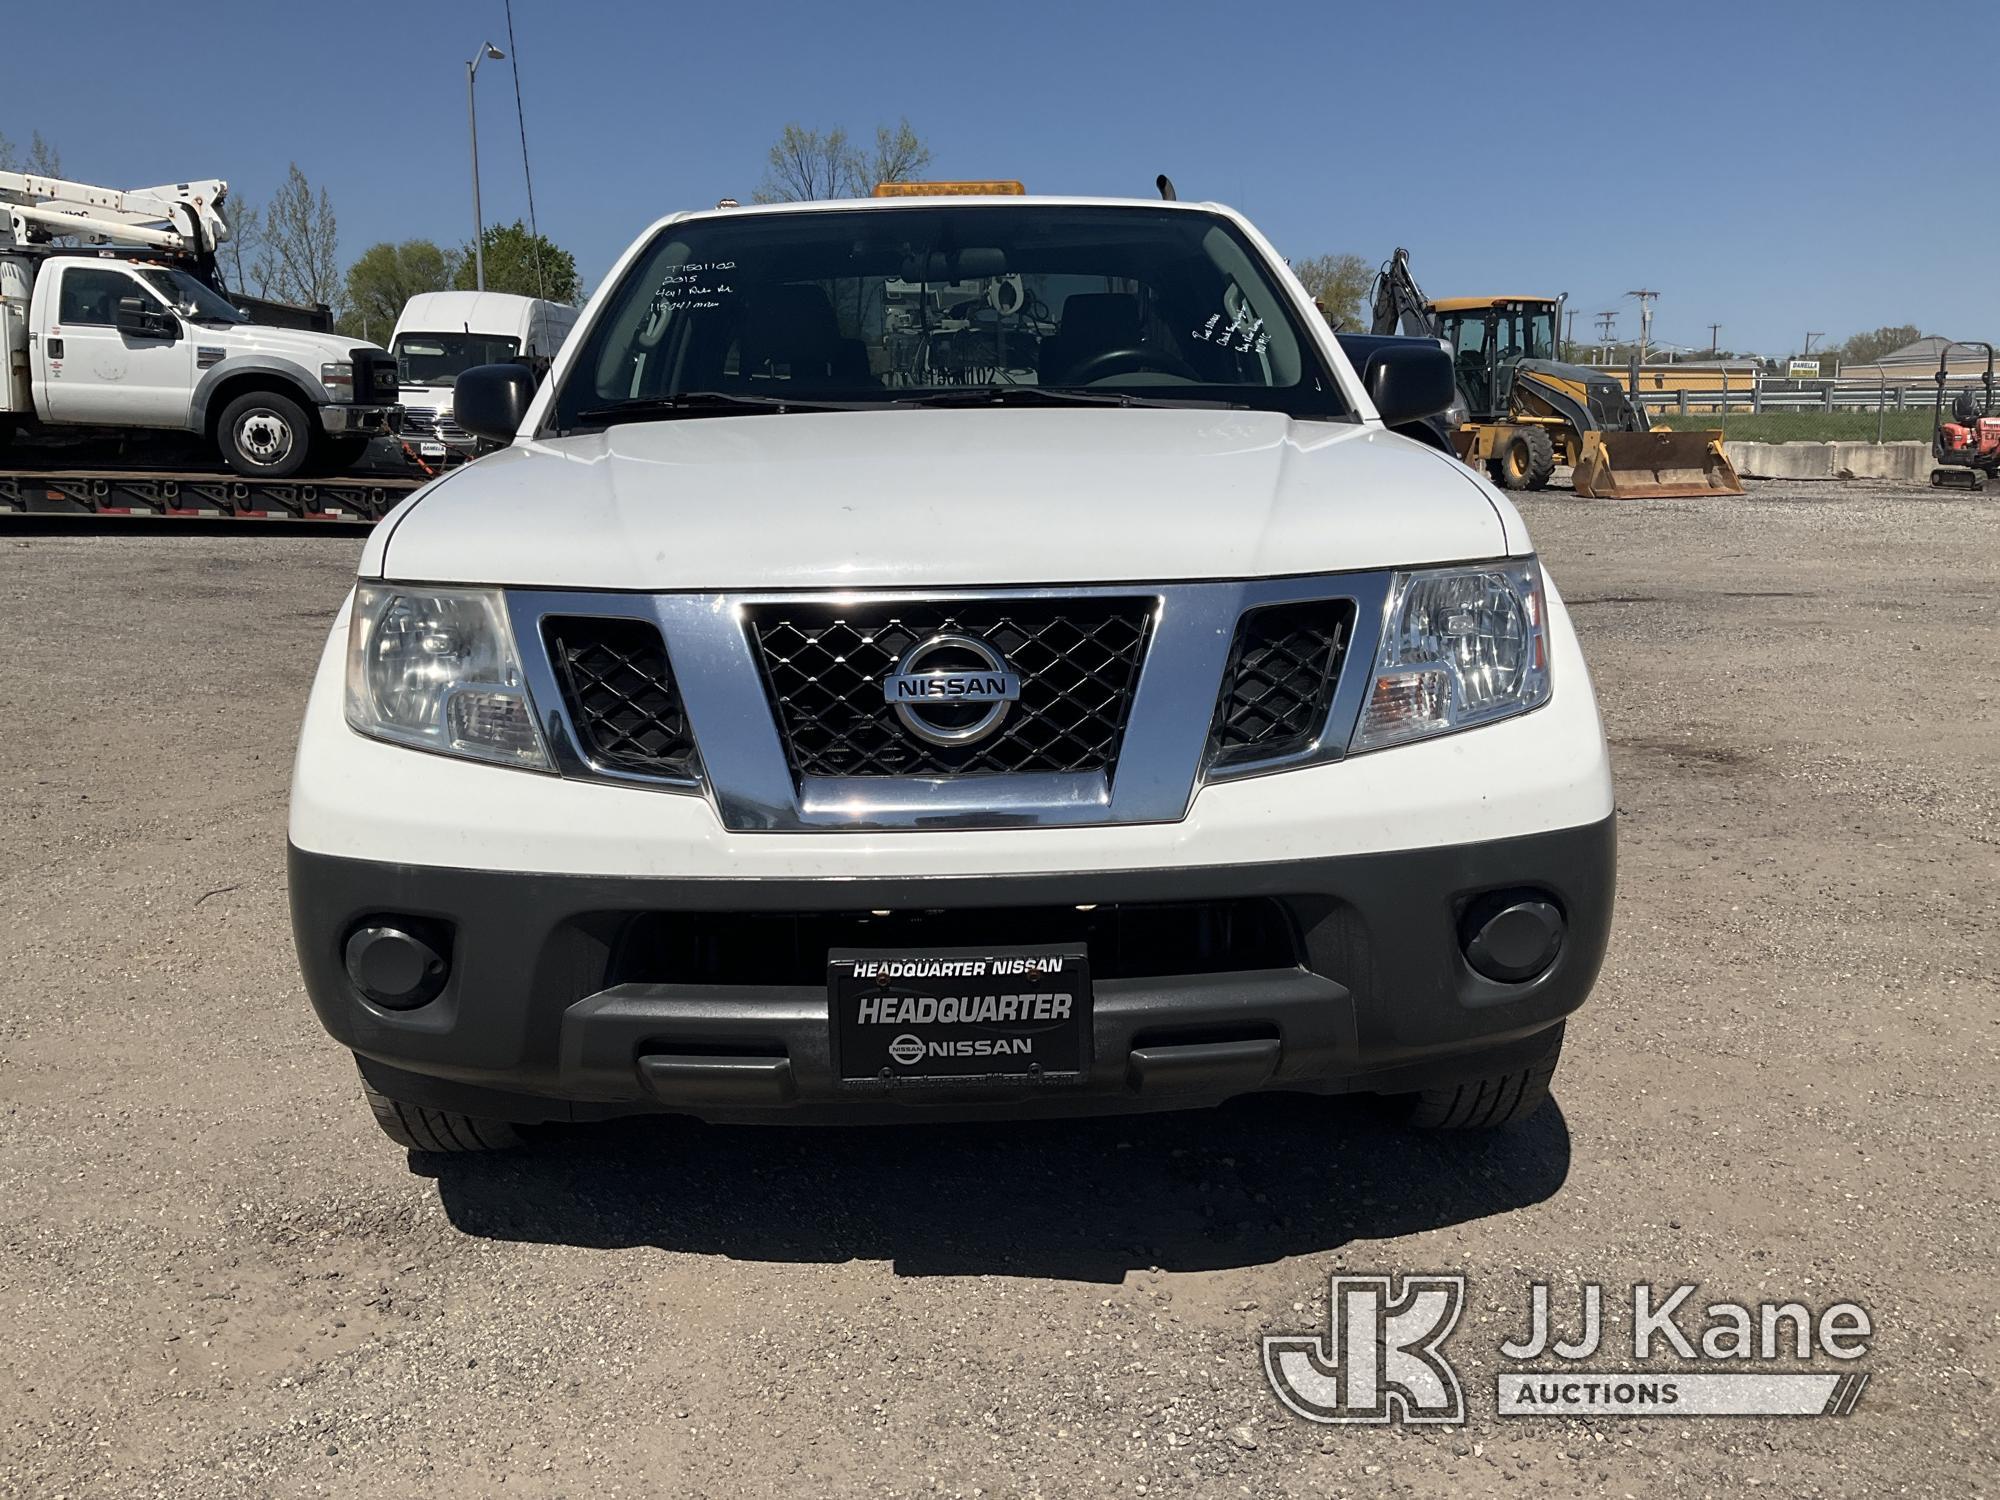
(181, 495)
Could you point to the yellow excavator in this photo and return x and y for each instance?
(1521, 411)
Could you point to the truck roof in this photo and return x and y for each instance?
(1473, 304)
(485, 312)
(905, 201)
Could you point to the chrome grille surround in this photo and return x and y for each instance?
(1166, 752)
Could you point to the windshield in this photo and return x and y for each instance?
(1527, 330)
(190, 298)
(440, 358)
(936, 301)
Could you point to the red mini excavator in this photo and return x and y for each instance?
(1966, 444)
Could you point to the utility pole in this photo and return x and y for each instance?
(1803, 353)
(472, 114)
(1604, 322)
(1645, 318)
(1714, 340)
(1569, 332)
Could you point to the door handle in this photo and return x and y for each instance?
(55, 348)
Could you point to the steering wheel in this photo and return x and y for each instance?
(1121, 361)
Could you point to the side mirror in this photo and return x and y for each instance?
(1409, 380)
(145, 320)
(489, 401)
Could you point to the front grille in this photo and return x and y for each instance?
(825, 665)
(419, 421)
(1124, 940)
(1278, 690)
(620, 694)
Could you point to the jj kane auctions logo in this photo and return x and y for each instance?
(1382, 1357)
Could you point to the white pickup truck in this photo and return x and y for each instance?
(130, 338)
(950, 657)
(118, 342)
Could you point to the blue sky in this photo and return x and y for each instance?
(1777, 167)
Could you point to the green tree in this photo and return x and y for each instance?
(811, 164)
(528, 265)
(1863, 348)
(1339, 284)
(387, 276)
(299, 258)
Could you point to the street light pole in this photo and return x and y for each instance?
(472, 115)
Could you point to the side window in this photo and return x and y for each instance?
(91, 296)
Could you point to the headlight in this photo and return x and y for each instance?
(437, 668)
(338, 378)
(1460, 646)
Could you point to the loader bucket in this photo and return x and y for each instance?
(1654, 466)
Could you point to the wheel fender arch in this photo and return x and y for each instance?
(223, 383)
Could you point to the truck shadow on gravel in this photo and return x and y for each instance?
(1089, 1200)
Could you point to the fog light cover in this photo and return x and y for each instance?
(1460, 647)
(437, 669)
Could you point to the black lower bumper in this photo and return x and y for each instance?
(562, 1002)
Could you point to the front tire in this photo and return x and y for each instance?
(415, 1128)
(264, 435)
(1490, 1102)
(1527, 461)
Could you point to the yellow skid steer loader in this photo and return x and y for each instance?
(1521, 412)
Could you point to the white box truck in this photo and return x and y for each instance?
(441, 335)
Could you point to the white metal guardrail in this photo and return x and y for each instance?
(1824, 395)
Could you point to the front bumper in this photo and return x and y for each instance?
(373, 420)
(547, 1015)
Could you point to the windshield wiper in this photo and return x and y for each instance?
(708, 404)
(1042, 395)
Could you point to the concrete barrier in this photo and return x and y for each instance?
(1904, 461)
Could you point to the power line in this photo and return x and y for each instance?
(527, 174)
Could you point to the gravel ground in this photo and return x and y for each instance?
(220, 1281)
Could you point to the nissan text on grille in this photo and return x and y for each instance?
(956, 654)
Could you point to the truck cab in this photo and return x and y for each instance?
(440, 335)
(1488, 337)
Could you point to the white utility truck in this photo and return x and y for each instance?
(441, 335)
(141, 337)
(831, 709)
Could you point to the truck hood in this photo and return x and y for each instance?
(929, 498)
(308, 349)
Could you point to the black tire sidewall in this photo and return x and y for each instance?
(287, 411)
(1541, 458)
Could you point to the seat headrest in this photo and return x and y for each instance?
(1109, 320)
(790, 323)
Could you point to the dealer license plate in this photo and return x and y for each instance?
(942, 1014)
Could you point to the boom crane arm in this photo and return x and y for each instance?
(181, 218)
(1400, 306)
